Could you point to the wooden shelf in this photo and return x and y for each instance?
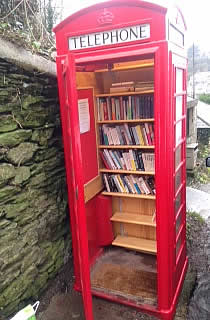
(128, 93)
(126, 121)
(129, 195)
(126, 147)
(128, 67)
(139, 244)
(128, 172)
(133, 218)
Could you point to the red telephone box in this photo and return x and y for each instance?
(122, 85)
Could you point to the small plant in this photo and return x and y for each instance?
(194, 223)
(205, 98)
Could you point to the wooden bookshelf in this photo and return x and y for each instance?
(132, 213)
(138, 244)
(121, 67)
(128, 93)
(133, 218)
(145, 173)
(126, 121)
(126, 147)
(129, 195)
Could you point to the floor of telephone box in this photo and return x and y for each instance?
(126, 274)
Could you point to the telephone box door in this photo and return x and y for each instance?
(75, 181)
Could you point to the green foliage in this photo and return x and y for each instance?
(194, 223)
(201, 174)
(30, 23)
(205, 98)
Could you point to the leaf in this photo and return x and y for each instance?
(36, 44)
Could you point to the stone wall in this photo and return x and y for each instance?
(33, 199)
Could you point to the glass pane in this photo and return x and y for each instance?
(179, 222)
(178, 202)
(178, 156)
(178, 245)
(179, 80)
(178, 179)
(178, 132)
(179, 104)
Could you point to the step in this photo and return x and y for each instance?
(133, 218)
(138, 244)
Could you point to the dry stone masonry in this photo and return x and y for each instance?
(33, 200)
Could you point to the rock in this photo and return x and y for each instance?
(7, 123)
(32, 119)
(46, 154)
(12, 226)
(4, 93)
(10, 274)
(18, 287)
(42, 136)
(22, 175)
(11, 139)
(199, 307)
(6, 193)
(13, 210)
(9, 107)
(22, 154)
(7, 172)
(32, 187)
(30, 100)
(4, 223)
(32, 257)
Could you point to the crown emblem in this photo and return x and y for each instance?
(106, 17)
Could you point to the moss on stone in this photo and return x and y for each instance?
(7, 171)
(23, 153)
(6, 193)
(7, 123)
(11, 139)
(42, 136)
(22, 175)
(30, 100)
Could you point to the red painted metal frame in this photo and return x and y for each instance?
(73, 160)
(169, 286)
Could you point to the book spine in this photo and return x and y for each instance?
(113, 108)
(106, 163)
(148, 134)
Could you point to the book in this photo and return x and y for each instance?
(129, 184)
(125, 107)
(121, 89)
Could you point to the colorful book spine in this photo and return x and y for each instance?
(129, 184)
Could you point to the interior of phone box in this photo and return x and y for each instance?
(127, 267)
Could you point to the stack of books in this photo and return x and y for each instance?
(139, 86)
(133, 160)
(129, 184)
(142, 134)
(144, 86)
(125, 107)
(122, 87)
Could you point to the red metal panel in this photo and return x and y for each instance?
(61, 76)
(162, 177)
(76, 181)
(88, 140)
(124, 13)
(170, 268)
